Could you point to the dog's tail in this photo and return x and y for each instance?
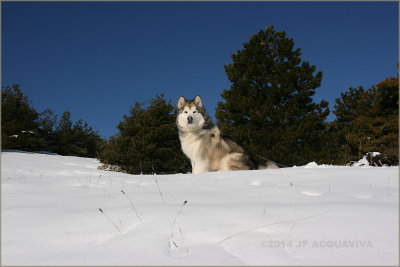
(269, 164)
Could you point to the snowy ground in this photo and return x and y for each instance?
(310, 215)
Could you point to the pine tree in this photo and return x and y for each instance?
(23, 128)
(268, 107)
(367, 121)
(147, 141)
(19, 124)
(47, 122)
(85, 140)
(75, 139)
(388, 95)
(63, 134)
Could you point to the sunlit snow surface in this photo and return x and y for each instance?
(311, 215)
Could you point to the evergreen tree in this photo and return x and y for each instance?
(268, 107)
(367, 121)
(63, 134)
(19, 124)
(23, 128)
(47, 122)
(75, 139)
(86, 140)
(147, 141)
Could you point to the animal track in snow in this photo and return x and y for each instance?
(255, 182)
(311, 193)
(362, 196)
(177, 248)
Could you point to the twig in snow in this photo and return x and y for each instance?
(155, 178)
(110, 220)
(122, 181)
(173, 225)
(180, 230)
(133, 207)
(266, 225)
(79, 180)
(98, 180)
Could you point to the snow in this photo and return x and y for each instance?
(309, 215)
(313, 164)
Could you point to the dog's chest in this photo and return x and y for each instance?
(191, 144)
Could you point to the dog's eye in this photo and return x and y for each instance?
(185, 111)
(194, 111)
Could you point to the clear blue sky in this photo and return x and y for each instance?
(96, 58)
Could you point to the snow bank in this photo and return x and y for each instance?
(315, 165)
(293, 216)
(361, 163)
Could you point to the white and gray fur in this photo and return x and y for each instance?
(204, 144)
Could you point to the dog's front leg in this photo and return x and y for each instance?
(200, 167)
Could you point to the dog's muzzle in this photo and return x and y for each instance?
(190, 119)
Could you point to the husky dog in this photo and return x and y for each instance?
(204, 144)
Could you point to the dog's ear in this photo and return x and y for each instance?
(198, 101)
(181, 102)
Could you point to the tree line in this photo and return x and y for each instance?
(268, 109)
(23, 128)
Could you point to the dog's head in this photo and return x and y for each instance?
(192, 115)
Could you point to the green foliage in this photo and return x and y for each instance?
(19, 124)
(147, 141)
(47, 121)
(23, 128)
(367, 120)
(268, 107)
(75, 140)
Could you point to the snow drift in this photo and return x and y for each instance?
(311, 215)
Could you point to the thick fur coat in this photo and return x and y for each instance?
(204, 144)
